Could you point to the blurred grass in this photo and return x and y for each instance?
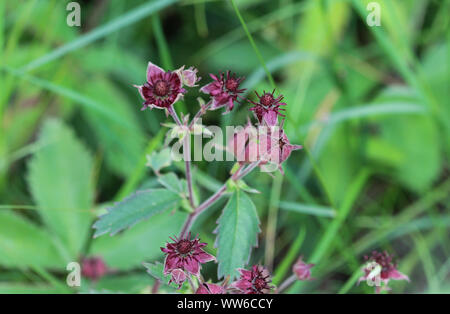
(370, 105)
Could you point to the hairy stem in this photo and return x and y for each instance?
(199, 114)
(289, 281)
(186, 155)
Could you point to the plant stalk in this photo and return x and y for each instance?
(186, 155)
(239, 174)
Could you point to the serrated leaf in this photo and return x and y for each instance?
(237, 233)
(156, 270)
(171, 182)
(141, 205)
(23, 244)
(60, 182)
(159, 160)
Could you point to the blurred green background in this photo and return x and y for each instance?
(370, 105)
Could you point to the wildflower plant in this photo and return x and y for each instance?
(260, 144)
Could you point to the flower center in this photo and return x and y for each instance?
(259, 284)
(267, 99)
(161, 88)
(184, 246)
(231, 84)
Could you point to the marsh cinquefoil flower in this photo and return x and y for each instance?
(267, 108)
(262, 144)
(387, 270)
(224, 90)
(254, 281)
(185, 254)
(302, 270)
(210, 288)
(162, 89)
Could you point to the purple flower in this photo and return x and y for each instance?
(93, 268)
(285, 147)
(254, 281)
(162, 89)
(185, 254)
(224, 90)
(302, 270)
(387, 270)
(267, 108)
(210, 288)
(189, 76)
(178, 276)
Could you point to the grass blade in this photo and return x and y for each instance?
(129, 18)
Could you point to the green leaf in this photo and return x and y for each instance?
(60, 181)
(237, 233)
(171, 182)
(159, 160)
(132, 209)
(22, 244)
(156, 270)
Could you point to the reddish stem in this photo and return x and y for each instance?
(239, 174)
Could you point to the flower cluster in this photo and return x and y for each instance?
(184, 258)
(162, 89)
(262, 144)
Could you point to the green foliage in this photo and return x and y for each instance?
(23, 244)
(171, 182)
(237, 233)
(128, 249)
(156, 270)
(122, 146)
(159, 160)
(60, 180)
(141, 205)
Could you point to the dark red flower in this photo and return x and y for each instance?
(185, 254)
(267, 108)
(254, 281)
(210, 288)
(224, 90)
(302, 270)
(93, 268)
(162, 89)
(380, 268)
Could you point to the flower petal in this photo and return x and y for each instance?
(139, 87)
(153, 70)
(192, 266)
(396, 275)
